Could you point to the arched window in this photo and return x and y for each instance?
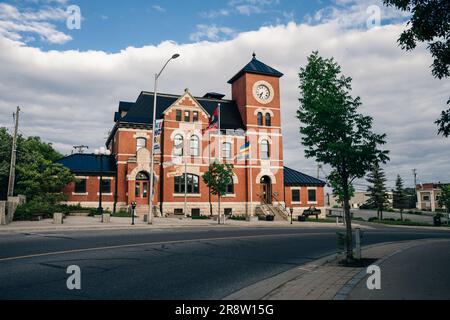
(192, 184)
(195, 146)
(264, 150)
(226, 150)
(140, 143)
(178, 145)
(260, 118)
(268, 120)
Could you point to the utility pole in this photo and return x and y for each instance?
(415, 178)
(12, 168)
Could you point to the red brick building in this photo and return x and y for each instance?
(260, 182)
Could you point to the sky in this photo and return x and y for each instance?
(68, 74)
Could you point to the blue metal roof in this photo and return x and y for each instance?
(89, 164)
(296, 178)
(125, 106)
(257, 67)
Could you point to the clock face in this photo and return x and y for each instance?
(263, 92)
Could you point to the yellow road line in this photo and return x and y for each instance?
(151, 243)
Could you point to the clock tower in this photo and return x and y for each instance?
(257, 86)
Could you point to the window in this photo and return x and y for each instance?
(264, 150)
(140, 143)
(268, 120)
(230, 188)
(192, 184)
(187, 116)
(296, 195)
(194, 147)
(178, 212)
(178, 115)
(195, 116)
(226, 150)
(228, 211)
(137, 192)
(260, 119)
(426, 197)
(106, 186)
(178, 144)
(312, 195)
(80, 186)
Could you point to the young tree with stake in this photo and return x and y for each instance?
(400, 196)
(333, 131)
(217, 178)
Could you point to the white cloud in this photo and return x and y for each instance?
(249, 7)
(211, 32)
(158, 8)
(215, 13)
(69, 97)
(20, 25)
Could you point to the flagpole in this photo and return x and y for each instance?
(185, 186)
(209, 163)
(220, 152)
(251, 180)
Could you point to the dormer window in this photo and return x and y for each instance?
(178, 115)
(187, 116)
(195, 116)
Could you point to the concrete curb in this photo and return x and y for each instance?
(260, 289)
(350, 285)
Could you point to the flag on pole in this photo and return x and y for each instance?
(213, 121)
(158, 129)
(244, 152)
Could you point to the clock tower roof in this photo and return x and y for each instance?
(256, 67)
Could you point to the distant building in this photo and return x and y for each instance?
(428, 196)
(358, 199)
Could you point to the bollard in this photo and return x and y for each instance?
(358, 243)
(58, 218)
(106, 218)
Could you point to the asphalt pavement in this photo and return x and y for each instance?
(194, 263)
(418, 273)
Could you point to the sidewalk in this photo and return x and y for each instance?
(324, 279)
(90, 223)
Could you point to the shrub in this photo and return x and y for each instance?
(373, 219)
(238, 218)
(200, 218)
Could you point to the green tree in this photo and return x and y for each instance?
(38, 177)
(332, 130)
(444, 198)
(429, 23)
(217, 178)
(5, 158)
(377, 189)
(334, 183)
(400, 198)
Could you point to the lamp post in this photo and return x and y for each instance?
(99, 153)
(152, 163)
(292, 213)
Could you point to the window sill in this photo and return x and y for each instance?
(105, 193)
(79, 194)
(296, 202)
(230, 195)
(189, 195)
(313, 202)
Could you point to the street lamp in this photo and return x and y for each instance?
(99, 153)
(152, 164)
(292, 213)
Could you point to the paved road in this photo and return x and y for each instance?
(152, 264)
(418, 273)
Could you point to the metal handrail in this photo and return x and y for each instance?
(281, 205)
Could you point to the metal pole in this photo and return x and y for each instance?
(185, 186)
(251, 182)
(12, 168)
(358, 244)
(100, 209)
(152, 159)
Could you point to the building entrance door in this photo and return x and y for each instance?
(266, 190)
(141, 189)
